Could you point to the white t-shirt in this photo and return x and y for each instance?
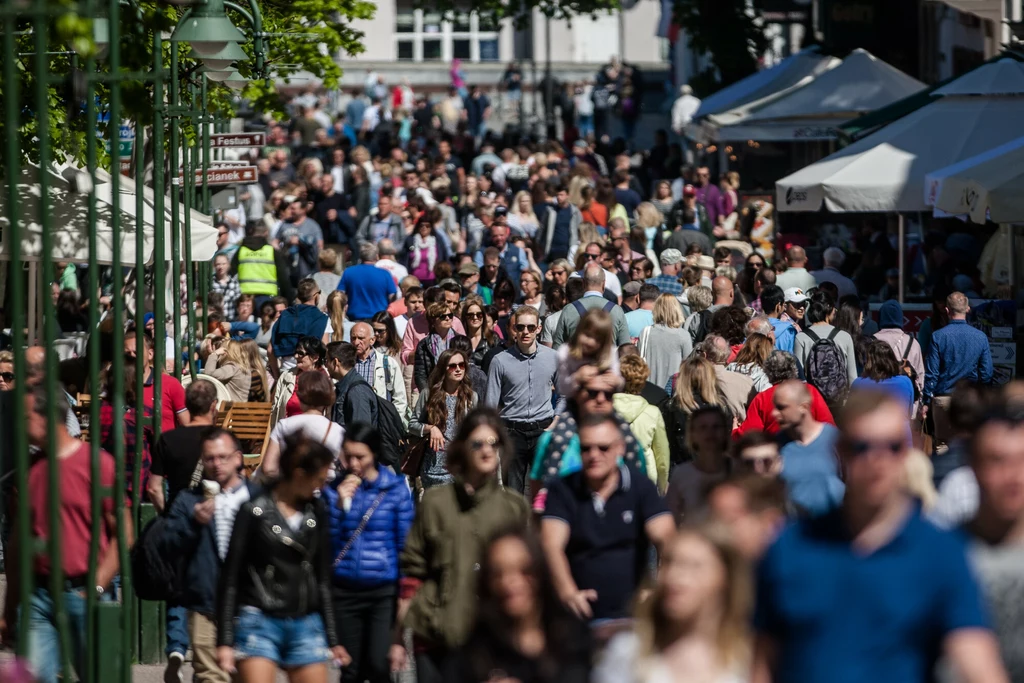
(397, 270)
(313, 427)
(686, 488)
(618, 664)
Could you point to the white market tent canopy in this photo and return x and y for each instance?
(811, 111)
(69, 227)
(791, 71)
(989, 185)
(886, 170)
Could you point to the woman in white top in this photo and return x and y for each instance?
(316, 396)
(695, 625)
(521, 218)
(665, 344)
(751, 359)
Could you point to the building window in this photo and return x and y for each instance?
(428, 35)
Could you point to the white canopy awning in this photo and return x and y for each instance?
(791, 71)
(986, 186)
(812, 110)
(68, 206)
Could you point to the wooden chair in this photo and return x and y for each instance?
(250, 422)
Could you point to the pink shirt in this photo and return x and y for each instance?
(416, 330)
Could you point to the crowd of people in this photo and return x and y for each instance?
(542, 416)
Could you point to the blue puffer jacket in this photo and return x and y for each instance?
(373, 558)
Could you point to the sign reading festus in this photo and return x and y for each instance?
(238, 140)
(227, 175)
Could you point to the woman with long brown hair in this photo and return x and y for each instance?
(474, 321)
(695, 626)
(438, 412)
(751, 359)
(257, 371)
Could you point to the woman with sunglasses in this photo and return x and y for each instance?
(385, 335)
(310, 356)
(531, 294)
(474, 319)
(745, 278)
(430, 348)
(6, 371)
(437, 414)
(442, 556)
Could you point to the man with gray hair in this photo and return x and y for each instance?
(370, 289)
(759, 325)
(593, 298)
(834, 259)
(737, 389)
(699, 299)
(386, 253)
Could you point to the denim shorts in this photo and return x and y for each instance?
(289, 642)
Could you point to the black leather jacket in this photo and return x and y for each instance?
(281, 572)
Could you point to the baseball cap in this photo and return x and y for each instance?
(469, 269)
(671, 256)
(500, 211)
(795, 295)
(631, 288)
(689, 191)
(580, 143)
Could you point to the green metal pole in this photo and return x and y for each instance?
(190, 197)
(175, 220)
(12, 115)
(41, 28)
(159, 288)
(204, 108)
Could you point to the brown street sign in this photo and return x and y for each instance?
(238, 140)
(228, 175)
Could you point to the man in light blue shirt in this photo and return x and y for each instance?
(642, 317)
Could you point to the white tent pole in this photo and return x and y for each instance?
(902, 248)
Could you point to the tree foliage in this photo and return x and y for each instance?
(728, 33)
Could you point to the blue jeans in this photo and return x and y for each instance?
(585, 124)
(43, 643)
(177, 630)
(290, 643)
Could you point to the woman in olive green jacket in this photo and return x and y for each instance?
(442, 555)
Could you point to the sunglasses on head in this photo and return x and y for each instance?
(522, 327)
(7, 376)
(452, 367)
(860, 447)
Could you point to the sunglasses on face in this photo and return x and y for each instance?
(7, 376)
(477, 444)
(444, 316)
(453, 367)
(595, 393)
(858, 448)
(526, 328)
(380, 330)
(591, 257)
(587, 448)
(800, 306)
(298, 354)
(475, 316)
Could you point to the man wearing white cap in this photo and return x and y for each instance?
(834, 259)
(795, 307)
(668, 282)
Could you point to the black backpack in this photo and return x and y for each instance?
(825, 368)
(394, 438)
(703, 327)
(154, 575)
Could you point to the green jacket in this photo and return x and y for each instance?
(648, 426)
(444, 550)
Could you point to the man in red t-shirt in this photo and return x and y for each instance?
(172, 407)
(73, 457)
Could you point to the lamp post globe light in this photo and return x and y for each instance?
(223, 59)
(207, 29)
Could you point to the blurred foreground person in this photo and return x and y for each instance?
(522, 629)
(274, 607)
(441, 560)
(870, 591)
(695, 626)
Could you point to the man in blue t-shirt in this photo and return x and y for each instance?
(808, 450)
(870, 591)
(370, 289)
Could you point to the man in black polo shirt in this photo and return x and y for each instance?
(597, 525)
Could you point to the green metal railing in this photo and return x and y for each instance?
(180, 129)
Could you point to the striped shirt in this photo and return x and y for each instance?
(227, 504)
(365, 367)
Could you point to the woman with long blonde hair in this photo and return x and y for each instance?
(652, 222)
(230, 365)
(695, 625)
(337, 302)
(576, 185)
(664, 344)
(258, 371)
(693, 388)
(522, 219)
